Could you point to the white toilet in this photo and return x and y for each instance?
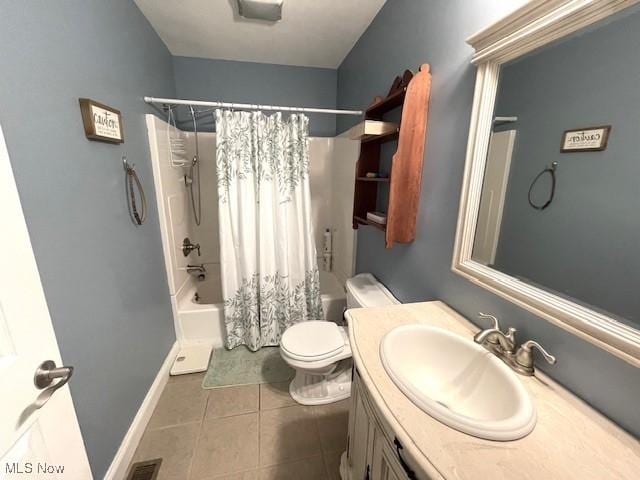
(319, 351)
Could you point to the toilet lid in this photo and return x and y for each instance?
(312, 339)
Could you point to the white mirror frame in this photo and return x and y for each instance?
(537, 23)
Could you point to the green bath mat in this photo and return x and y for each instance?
(241, 366)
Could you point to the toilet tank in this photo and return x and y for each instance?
(364, 290)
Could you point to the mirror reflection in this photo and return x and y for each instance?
(560, 205)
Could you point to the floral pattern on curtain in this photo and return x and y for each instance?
(269, 269)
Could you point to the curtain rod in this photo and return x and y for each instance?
(248, 106)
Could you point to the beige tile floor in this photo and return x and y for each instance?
(254, 432)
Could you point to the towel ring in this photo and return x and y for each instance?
(131, 181)
(551, 171)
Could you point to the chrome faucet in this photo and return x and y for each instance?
(503, 346)
(495, 339)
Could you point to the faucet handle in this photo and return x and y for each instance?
(493, 318)
(547, 356)
(524, 356)
(188, 247)
(496, 325)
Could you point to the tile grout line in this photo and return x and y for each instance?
(259, 468)
(197, 442)
(285, 462)
(320, 455)
(173, 425)
(316, 416)
(290, 461)
(259, 425)
(259, 411)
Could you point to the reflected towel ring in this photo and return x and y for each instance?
(551, 171)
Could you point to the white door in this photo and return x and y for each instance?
(39, 433)
(494, 189)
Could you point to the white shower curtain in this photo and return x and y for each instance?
(270, 277)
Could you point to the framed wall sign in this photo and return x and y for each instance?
(592, 139)
(101, 122)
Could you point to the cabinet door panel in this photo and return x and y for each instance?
(359, 438)
(372, 452)
(385, 465)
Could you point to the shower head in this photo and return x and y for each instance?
(269, 10)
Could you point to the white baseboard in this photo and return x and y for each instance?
(124, 455)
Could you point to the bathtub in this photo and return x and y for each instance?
(202, 320)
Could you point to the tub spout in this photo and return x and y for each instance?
(197, 271)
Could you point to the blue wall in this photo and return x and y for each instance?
(103, 278)
(246, 82)
(585, 243)
(404, 34)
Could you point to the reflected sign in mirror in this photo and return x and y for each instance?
(563, 213)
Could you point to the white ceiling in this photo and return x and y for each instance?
(313, 33)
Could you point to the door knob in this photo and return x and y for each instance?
(43, 379)
(47, 372)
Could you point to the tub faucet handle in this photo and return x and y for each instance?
(188, 247)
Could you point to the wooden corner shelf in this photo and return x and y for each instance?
(365, 221)
(411, 93)
(373, 179)
(387, 137)
(387, 104)
(370, 130)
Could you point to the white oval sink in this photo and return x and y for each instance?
(458, 382)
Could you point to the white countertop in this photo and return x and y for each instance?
(570, 440)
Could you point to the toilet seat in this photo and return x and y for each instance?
(313, 341)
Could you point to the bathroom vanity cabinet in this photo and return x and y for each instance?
(373, 452)
(391, 438)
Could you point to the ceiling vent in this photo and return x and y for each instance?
(269, 10)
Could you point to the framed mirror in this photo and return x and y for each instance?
(550, 207)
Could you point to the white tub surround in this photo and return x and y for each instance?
(331, 172)
(199, 322)
(333, 297)
(171, 197)
(176, 223)
(569, 441)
